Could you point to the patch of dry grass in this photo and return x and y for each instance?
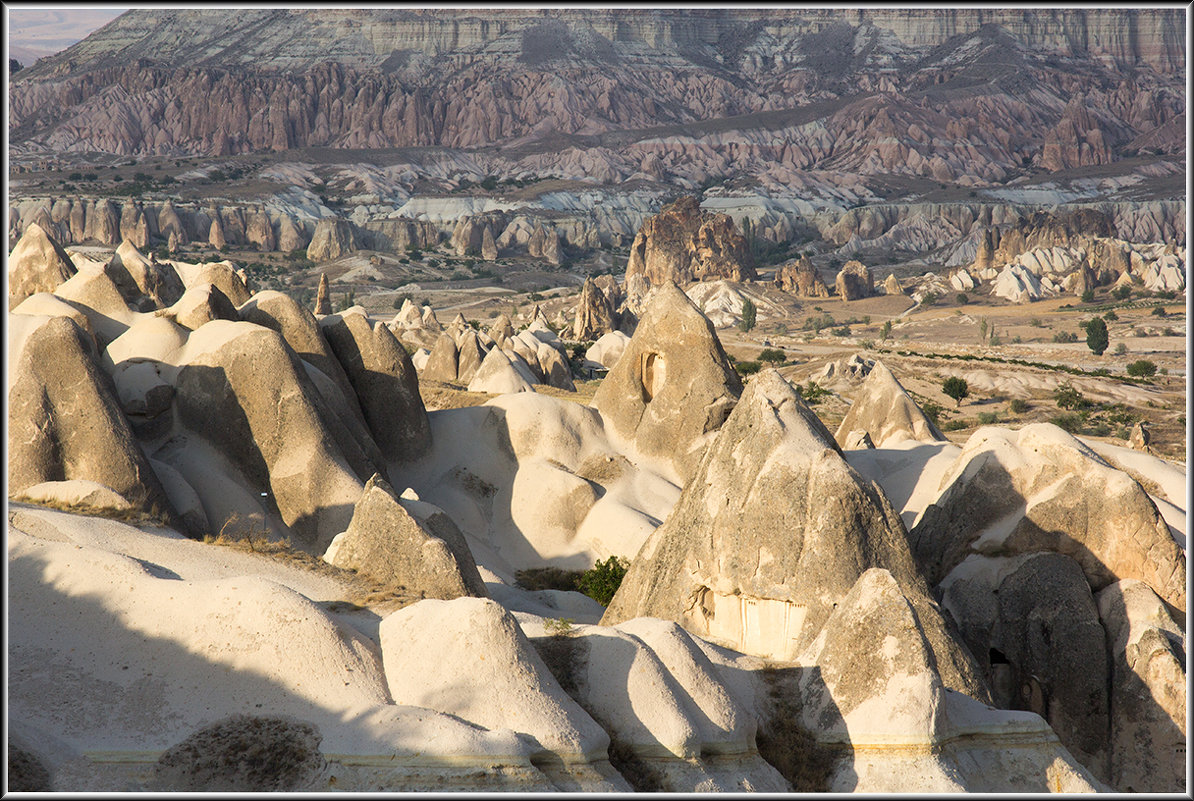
(133, 516)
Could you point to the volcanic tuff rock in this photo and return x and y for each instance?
(333, 237)
(37, 264)
(200, 305)
(1039, 488)
(854, 281)
(800, 278)
(684, 243)
(752, 527)
(387, 543)
(1033, 625)
(384, 380)
(498, 375)
(883, 409)
(1148, 700)
(594, 313)
(673, 387)
(64, 419)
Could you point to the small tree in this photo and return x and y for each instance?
(749, 315)
(885, 331)
(1096, 336)
(772, 355)
(602, 581)
(982, 328)
(956, 388)
(1142, 368)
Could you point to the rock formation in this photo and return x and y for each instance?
(384, 380)
(684, 243)
(1064, 499)
(498, 375)
(333, 238)
(891, 285)
(36, 264)
(800, 278)
(594, 313)
(673, 387)
(387, 543)
(883, 409)
(750, 529)
(64, 419)
(854, 281)
(323, 302)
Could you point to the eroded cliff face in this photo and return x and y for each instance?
(273, 79)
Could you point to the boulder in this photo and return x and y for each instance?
(1033, 625)
(673, 387)
(156, 280)
(854, 281)
(387, 543)
(885, 411)
(385, 383)
(684, 243)
(1040, 489)
(770, 534)
(64, 419)
(37, 264)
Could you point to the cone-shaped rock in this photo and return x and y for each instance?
(389, 544)
(240, 387)
(64, 420)
(498, 375)
(37, 264)
(501, 330)
(200, 305)
(381, 373)
(774, 519)
(323, 302)
(157, 280)
(1040, 489)
(884, 410)
(442, 363)
(594, 314)
(222, 274)
(469, 357)
(673, 387)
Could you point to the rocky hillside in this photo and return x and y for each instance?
(1079, 89)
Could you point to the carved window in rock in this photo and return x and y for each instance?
(652, 374)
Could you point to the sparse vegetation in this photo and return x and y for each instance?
(603, 579)
(749, 315)
(772, 355)
(1017, 405)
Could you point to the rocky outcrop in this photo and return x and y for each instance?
(673, 387)
(684, 243)
(333, 238)
(752, 519)
(498, 375)
(200, 305)
(1040, 489)
(390, 545)
(1147, 647)
(854, 281)
(891, 285)
(884, 410)
(384, 381)
(800, 278)
(594, 313)
(64, 419)
(37, 264)
(442, 363)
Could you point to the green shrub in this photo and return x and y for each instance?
(932, 411)
(1121, 349)
(772, 355)
(955, 425)
(1111, 316)
(812, 393)
(1065, 336)
(988, 418)
(1017, 405)
(1069, 398)
(602, 581)
(748, 368)
(1088, 296)
(749, 315)
(1158, 311)
(547, 578)
(1142, 367)
(1121, 293)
